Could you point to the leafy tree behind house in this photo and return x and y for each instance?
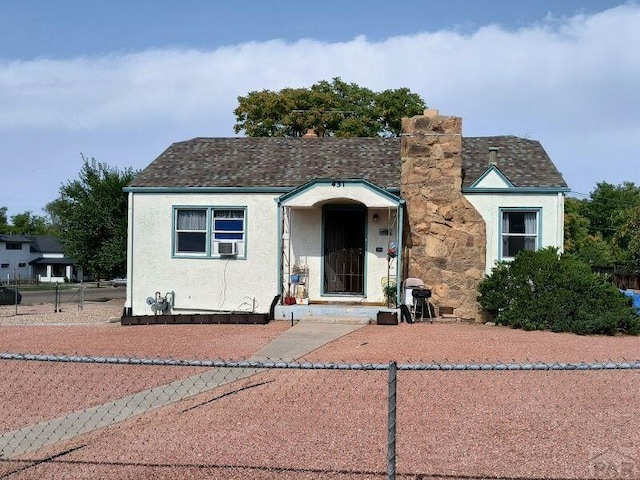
(601, 230)
(3, 220)
(579, 239)
(609, 206)
(29, 224)
(92, 216)
(628, 237)
(25, 223)
(335, 108)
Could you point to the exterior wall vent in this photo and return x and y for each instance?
(493, 155)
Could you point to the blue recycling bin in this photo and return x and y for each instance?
(635, 296)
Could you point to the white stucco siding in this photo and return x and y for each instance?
(306, 249)
(306, 244)
(335, 193)
(52, 255)
(201, 285)
(493, 180)
(551, 207)
(380, 234)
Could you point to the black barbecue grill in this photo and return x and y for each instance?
(421, 301)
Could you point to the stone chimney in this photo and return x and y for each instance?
(444, 234)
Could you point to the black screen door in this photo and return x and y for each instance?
(344, 250)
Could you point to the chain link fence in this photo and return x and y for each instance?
(56, 297)
(112, 417)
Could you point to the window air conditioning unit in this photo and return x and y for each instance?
(228, 249)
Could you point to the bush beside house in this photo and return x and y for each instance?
(543, 290)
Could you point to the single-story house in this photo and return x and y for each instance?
(34, 258)
(230, 224)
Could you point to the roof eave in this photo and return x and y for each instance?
(516, 190)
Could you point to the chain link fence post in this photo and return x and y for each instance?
(56, 299)
(391, 433)
(81, 297)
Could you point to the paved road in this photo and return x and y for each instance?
(91, 293)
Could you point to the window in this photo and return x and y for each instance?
(228, 229)
(209, 232)
(191, 231)
(14, 246)
(4, 265)
(519, 232)
(22, 265)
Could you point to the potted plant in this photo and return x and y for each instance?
(389, 289)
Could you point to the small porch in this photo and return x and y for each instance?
(52, 269)
(340, 251)
(333, 313)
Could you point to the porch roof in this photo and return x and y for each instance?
(320, 191)
(51, 261)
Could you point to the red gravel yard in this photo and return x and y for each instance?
(331, 424)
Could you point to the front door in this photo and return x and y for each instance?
(344, 246)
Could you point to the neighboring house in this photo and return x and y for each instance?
(227, 224)
(36, 258)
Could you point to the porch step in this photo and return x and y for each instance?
(329, 313)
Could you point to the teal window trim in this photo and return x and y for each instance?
(195, 236)
(516, 190)
(279, 269)
(486, 173)
(501, 233)
(365, 264)
(339, 183)
(399, 258)
(209, 250)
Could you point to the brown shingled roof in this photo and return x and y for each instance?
(272, 162)
(291, 162)
(523, 162)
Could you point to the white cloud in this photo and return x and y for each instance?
(563, 80)
(574, 66)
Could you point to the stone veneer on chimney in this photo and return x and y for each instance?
(445, 236)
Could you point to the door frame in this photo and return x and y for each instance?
(363, 211)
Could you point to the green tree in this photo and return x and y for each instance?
(29, 224)
(592, 249)
(25, 223)
(601, 230)
(335, 108)
(92, 216)
(576, 225)
(608, 207)
(4, 227)
(54, 211)
(628, 237)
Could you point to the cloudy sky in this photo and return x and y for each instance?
(121, 80)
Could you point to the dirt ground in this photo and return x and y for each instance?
(327, 423)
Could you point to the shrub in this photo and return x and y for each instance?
(543, 290)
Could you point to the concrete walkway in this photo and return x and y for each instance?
(295, 342)
(303, 338)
